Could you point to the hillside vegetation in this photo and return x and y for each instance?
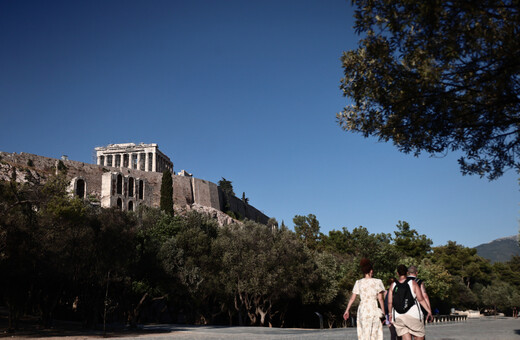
(61, 258)
(501, 250)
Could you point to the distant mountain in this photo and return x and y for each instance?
(499, 250)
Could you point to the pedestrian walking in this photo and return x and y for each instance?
(369, 316)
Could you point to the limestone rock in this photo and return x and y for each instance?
(22, 175)
(222, 218)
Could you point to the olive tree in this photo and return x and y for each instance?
(438, 76)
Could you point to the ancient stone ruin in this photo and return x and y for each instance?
(126, 176)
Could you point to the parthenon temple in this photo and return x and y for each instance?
(145, 157)
(127, 176)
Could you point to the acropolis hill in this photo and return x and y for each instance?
(126, 176)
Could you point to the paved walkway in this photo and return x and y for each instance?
(487, 328)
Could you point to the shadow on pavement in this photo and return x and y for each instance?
(29, 327)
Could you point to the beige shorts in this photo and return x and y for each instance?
(408, 324)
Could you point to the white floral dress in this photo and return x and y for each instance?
(369, 326)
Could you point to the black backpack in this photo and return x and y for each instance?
(403, 299)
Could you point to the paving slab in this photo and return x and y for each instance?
(486, 328)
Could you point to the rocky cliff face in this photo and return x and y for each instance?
(221, 218)
(20, 173)
(190, 194)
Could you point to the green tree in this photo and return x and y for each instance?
(350, 247)
(18, 250)
(265, 271)
(437, 279)
(307, 228)
(186, 259)
(337, 241)
(463, 263)
(499, 295)
(377, 248)
(245, 199)
(166, 202)
(408, 241)
(272, 223)
(463, 297)
(438, 77)
(56, 250)
(149, 277)
(505, 272)
(66, 240)
(322, 280)
(107, 260)
(514, 264)
(227, 189)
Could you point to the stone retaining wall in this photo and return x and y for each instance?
(186, 190)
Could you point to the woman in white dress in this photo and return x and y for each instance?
(369, 316)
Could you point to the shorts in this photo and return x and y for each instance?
(408, 324)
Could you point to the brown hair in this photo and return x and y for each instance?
(402, 270)
(366, 266)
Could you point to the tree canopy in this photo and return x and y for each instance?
(409, 242)
(226, 186)
(307, 228)
(438, 76)
(62, 257)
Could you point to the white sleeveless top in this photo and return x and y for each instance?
(415, 311)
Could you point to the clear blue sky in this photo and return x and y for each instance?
(246, 90)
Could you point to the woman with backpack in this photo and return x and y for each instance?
(369, 326)
(403, 300)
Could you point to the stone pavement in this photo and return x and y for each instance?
(485, 328)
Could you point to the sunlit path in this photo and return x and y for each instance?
(484, 328)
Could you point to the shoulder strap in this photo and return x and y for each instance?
(419, 282)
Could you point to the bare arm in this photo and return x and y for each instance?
(390, 299)
(422, 301)
(425, 295)
(350, 302)
(381, 302)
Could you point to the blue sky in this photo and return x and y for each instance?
(245, 90)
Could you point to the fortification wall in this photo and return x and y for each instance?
(186, 190)
(92, 174)
(45, 167)
(245, 210)
(182, 190)
(189, 190)
(205, 193)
